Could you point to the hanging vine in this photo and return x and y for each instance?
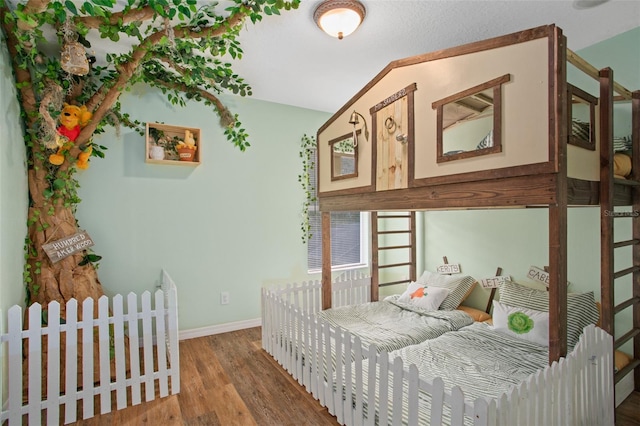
(308, 155)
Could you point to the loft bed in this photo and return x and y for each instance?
(529, 164)
(522, 119)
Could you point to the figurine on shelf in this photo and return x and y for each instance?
(187, 148)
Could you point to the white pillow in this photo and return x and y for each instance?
(411, 288)
(522, 323)
(459, 287)
(428, 298)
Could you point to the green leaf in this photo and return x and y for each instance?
(72, 7)
(105, 3)
(88, 7)
(25, 18)
(58, 184)
(184, 10)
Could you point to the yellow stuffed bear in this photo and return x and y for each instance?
(72, 119)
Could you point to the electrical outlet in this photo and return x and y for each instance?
(224, 298)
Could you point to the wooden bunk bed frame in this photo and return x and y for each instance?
(541, 184)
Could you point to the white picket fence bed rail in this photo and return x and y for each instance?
(150, 325)
(578, 390)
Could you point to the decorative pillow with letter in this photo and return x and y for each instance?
(526, 324)
(459, 287)
(427, 298)
(581, 307)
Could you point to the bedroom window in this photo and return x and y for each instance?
(344, 156)
(349, 242)
(469, 123)
(582, 116)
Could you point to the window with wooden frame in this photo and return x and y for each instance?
(582, 117)
(344, 156)
(469, 123)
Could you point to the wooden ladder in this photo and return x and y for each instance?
(400, 229)
(610, 188)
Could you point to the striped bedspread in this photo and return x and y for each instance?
(483, 362)
(392, 325)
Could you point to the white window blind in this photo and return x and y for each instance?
(348, 243)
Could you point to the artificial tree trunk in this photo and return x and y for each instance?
(65, 279)
(51, 218)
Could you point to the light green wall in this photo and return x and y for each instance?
(13, 194)
(231, 224)
(515, 239)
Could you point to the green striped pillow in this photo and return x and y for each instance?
(581, 307)
(459, 287)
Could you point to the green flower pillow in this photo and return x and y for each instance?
(522, 323)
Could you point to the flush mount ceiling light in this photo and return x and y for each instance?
(339, 18)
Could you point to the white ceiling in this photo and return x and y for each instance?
(289, 60)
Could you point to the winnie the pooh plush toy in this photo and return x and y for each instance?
(72, 119)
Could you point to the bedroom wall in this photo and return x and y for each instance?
(231, 224)
(13, 196)
(515, 239)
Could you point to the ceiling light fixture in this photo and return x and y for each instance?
(339, 18)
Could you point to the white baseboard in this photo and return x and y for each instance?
(624, 388)
(218, 329)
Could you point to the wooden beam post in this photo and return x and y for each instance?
(558, 211)
(635, 137)
(606, 200)
(326, 260)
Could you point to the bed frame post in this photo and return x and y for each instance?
(635, 134)
(606, 200)
(326, 260)
(558, 210)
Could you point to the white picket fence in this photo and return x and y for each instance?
(578, 390)
(126, 340)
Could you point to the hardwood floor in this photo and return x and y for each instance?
(227, 379)
(628, 413)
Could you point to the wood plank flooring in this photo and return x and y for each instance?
(227, 379)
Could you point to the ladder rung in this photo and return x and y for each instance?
(625, 338)
(623, 215)
(626, 304)
(394, 265)
(626, 370)
(624, 272)
(626, 182)
(625, 243)
(394, 247)
(394, 283)
(394, 232)
(394, 216)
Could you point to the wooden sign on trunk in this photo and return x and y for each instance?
(67, 246)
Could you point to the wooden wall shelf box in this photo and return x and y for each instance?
(170, 132)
